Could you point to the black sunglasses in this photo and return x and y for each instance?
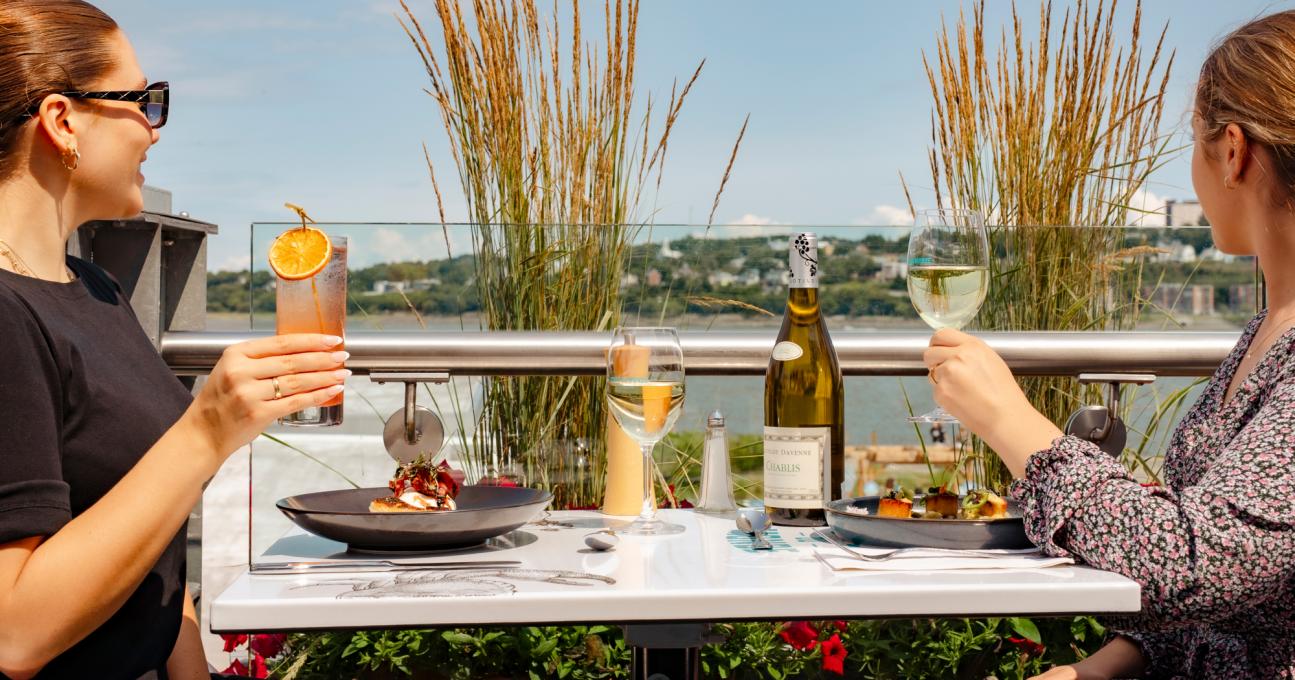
(154, 101)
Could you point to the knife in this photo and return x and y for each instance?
(374, 565)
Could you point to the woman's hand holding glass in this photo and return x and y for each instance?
(972, 383)
(259, 381)
(948, 273)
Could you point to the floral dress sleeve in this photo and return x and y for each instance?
(1202, 553)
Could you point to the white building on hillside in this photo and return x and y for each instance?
(1183, 213)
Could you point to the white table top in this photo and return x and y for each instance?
(703, 574)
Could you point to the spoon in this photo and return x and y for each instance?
(755, 522)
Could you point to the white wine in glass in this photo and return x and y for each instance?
(948, 274)
(645, 390)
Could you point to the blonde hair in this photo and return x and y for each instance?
(1249, 79)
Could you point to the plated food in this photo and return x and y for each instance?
(481, 512)
(982, 521)
(419, 486)
(938, 503)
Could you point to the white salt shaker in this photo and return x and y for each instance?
(716, 477)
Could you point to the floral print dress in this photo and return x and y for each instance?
(1214, 548)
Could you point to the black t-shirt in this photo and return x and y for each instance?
(83, 395)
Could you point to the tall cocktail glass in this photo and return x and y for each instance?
(315, 305)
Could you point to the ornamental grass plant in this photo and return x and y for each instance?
(554, 155)
(1052, 137)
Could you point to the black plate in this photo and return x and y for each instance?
(895, 532)
(483, 512)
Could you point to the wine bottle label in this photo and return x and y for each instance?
(796, 474)
(803, 261)
(787, 350)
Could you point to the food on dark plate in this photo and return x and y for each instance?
(419, 487)
(897, 503)
(939, 503)
(982, 504)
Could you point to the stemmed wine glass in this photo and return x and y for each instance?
(645, 394)
(948, 274)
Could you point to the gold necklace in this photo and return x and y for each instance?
(20, 265)
(15, 260)
(1251, 350)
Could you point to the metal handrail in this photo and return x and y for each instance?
(735, 353)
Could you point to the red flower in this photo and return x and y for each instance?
(800, 635)
(259, 669)
(497, 480)
(233, 640)
(268, 645)
(236, 668)
(1030, 647)
(834, 655)
(840, 625)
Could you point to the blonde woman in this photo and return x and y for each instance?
(1214, 548)
(102, 452)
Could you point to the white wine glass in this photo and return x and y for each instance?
(645, 395)
(948, 274)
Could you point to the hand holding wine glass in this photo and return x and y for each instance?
(645, 389)
(948, 273)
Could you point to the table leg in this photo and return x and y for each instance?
(669, 651)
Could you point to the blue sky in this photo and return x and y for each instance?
(319, 102)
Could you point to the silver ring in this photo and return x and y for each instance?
(278, 394)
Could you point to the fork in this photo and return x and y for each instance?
(897, 552)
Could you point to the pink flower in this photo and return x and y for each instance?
(834, 655)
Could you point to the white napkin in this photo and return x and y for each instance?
(838, 559)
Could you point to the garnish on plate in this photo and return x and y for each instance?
(940, 503)
(898, 503)
(982, 504)
(419, 487)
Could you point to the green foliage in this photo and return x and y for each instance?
(574, 652)
(916, 649)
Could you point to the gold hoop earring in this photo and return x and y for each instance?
(71, 158)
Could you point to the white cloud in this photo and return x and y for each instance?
(1146, 209)
(750, 219)
(749, 224)
(235, 263)
(425, 242)
(885, 215)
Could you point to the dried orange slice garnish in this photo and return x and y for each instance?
(300, 253)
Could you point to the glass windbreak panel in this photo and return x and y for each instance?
(420, 276)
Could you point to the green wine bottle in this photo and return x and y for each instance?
(804, 403)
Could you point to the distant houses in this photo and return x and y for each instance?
(382, 287)
(1184, 213)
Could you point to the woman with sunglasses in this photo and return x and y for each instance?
(103, 453)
